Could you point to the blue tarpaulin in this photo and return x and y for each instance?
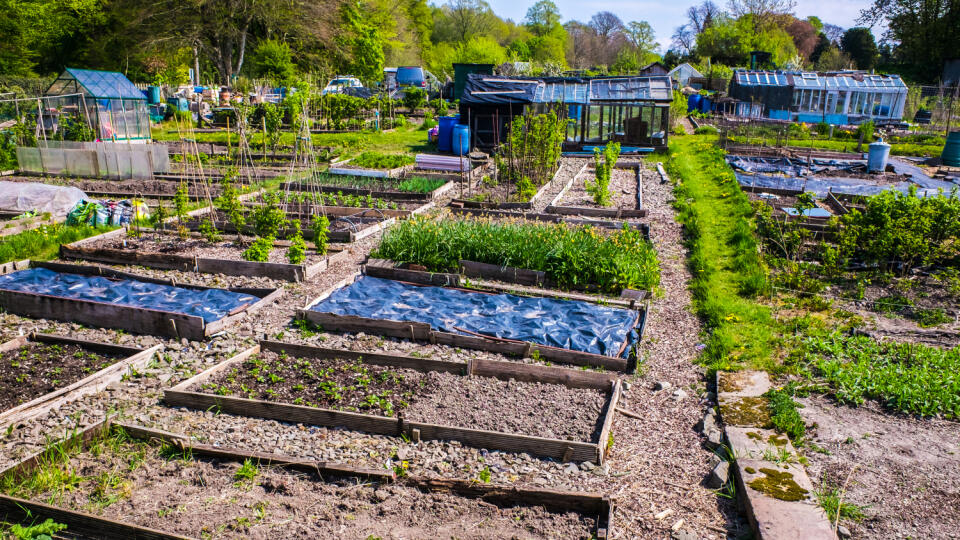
(568, 324)
(209, 304)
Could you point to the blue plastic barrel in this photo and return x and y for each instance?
(461, 140)
(693, 103)
(951, 150)
(153, 95)
(704, 104)
(179, 104)
(445, 125)
(877, 157)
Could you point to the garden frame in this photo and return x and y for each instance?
(14, 509)
(423, 332)
(181, 396)
(134, 319)
(132, 358)
(232, 267)
(614, 213)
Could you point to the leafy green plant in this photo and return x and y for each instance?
(531, 150)
(377, 160)
(418, 184)
(259, 250)
(414, 98)
(783, 412)
(600, 189)
(830, 499)
(209, 231)
(268, 217)
(40, 531)
(297, 252)
(246, 474)
(44, 242)
(229, 202)
(321, 232)
(927, 318)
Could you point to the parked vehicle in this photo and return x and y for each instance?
(390, 79)
(413, 77)
(339, 84)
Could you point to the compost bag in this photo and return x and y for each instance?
(567, 324)
(209, 304)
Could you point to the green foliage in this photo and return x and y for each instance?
(572, 256)
(414, 98)
(273, 59)
(532, 150)
(40, 531)
(209, 231)
(273, 122)
(865, 131)
(229, 201)
(600, 189)
(679, 130)
(906, 377)
(364, 41)
(297, 252)
(706, 130)
(44, 242)
(783, 413)
(321, 230)
(247, 473)
(340, 107)
(830, 499)
(678, 107)
(419, 184)
(729, 41)
(860, 45)
(180, 202)
(376, 160)
(259, 250)
(268, 217)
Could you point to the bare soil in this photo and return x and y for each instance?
(228, 249)
(195, 187)
(40, 368)
(901, 471)
(623, 190)
(205, 498)
(544, 410)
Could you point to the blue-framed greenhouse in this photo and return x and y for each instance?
(112, 105)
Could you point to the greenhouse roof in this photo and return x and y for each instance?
(812, 80)
(570, 90)
(96, 84)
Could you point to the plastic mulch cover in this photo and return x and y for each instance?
(209, 304)
(568, 324)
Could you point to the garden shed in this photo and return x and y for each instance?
(633, 111)
(112, 105)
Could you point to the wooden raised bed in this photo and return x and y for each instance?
(12, 226)
(552, 218)
(492, 205)
(135, 358)
(13, 509)
(380, 194)
(366, 226)
(416, 331)
(231, 267)
(614, 213)
(134, 319)
(181, 396)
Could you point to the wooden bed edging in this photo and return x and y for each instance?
(340, 237)
(468, 203)
(386, 195)
(423, 332)
(616, 213)
(134, 319)
(181, 396)
(554, 218)
(136, 358)
(230, 267)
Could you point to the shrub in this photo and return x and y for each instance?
(679, 130)
(268, 217)
(297, 252)
(600, 190)
(209, 231)
(259, 250)
(321, 230)
(414, 98)
(706, 130)
(376, 160)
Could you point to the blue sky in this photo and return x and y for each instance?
(664, 16)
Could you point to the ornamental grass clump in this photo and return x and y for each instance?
(571, 256)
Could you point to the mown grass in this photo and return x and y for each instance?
(906, 377)
(727, 270)
(897, 149)
(572, 256)
(43, 243)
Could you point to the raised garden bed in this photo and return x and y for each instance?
(119, 301)
(208, 489)
(342, 230)
(170, 252)
(392, 394)
(405, 323)
(626, 189)
(41, 372)
(552, 218)
(501, 196)
(387, 189)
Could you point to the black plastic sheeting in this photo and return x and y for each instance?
(485, 89)
(567, 324)
(209, 304)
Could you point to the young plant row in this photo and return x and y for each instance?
(571, 256)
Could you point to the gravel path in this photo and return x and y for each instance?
(623, 190)
(569, 167)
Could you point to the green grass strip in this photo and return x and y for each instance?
(43, 243)
(727, 270)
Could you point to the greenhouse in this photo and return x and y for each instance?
(630, 110)
(846, 97)
(110, 103)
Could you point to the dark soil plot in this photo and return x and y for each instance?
(623, 190)
(228, 249)
(37, 369)
(151, 487)
(537, 409)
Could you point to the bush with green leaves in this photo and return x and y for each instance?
(268, 217)
(531, 150)
(414, 98)
(259, 249)
(321, 231)
(600, 189)
(229, 202)
(571, 256)
(297, 252)
(209, 231)
(377, 160)
(338, 108)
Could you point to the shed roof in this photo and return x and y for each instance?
(813, 80)
(96, 84)
(571, 90)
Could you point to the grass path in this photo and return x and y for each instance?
(724, 261)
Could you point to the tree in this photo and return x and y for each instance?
(833, 59)
(641, 35)
(833, 32)
(365, 45)
(606, 25)
(15, 54)
(822, 45)
(859, 44)
(543, 17)
(273, 59)
(762, 12)
(469, 18)
(701, 17)
(804, 35)
(926, 32)
(480, 50)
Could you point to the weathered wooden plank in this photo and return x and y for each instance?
(586, 502)
(91, 384)
(507, 442)
(598, 212)
(515, 348)
(607, 428)
(282, 412)
(571, 378)
(205, 375)
(380, 268)
(118, 256)
(520, 276)
(372, 358)
(350, 323)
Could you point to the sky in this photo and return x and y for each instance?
(665, 16)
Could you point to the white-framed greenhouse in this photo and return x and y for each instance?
(841, 97)
(112, 105)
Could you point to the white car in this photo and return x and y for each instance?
(338, 85)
